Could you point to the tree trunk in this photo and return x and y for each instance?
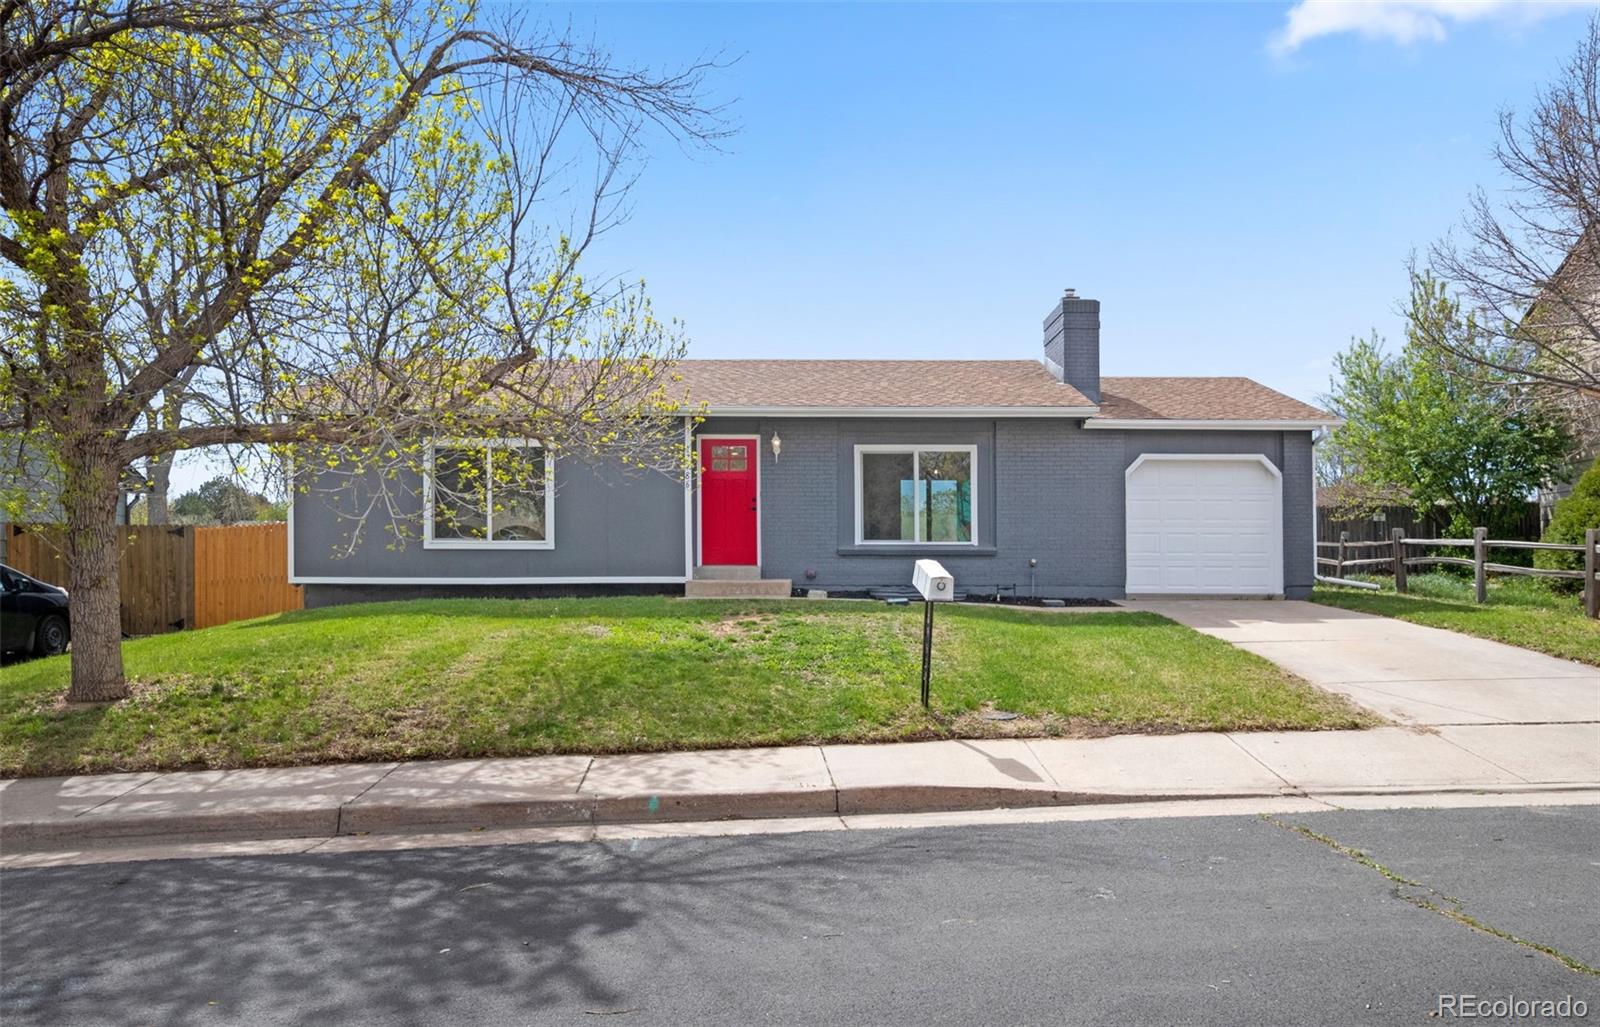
(155, 501)
(170, 418)
(91, 467)
(94, 553)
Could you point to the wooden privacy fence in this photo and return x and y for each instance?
(1520, 520)
(241, 571)
(1396, 561)
(176, 577)
(157, 571)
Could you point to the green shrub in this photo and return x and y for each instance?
(1504, 523)
(1572, 517)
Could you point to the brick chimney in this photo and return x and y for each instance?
(1072, 343)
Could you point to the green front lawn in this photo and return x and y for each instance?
(1520, 611)
(449, 678)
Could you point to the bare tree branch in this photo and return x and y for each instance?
(1528, 265)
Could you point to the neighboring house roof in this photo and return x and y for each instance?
(1015, 387)
(1184, 400)
(988, 387)
(1576, 282)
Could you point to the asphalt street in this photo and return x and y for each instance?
(1235, 920)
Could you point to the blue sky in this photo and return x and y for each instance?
(922, 181)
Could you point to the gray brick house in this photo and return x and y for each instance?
(839, 474)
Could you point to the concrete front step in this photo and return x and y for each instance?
(764, 588)
(727, 572)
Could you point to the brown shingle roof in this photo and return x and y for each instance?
(800, 385)
(874, 384)
(1200, 399)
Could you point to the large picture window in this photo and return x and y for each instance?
(493, 493)
(915, 494)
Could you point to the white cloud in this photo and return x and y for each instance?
(1401, 21)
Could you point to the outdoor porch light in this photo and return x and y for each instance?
(777, 447)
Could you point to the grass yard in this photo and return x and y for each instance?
(1520, 611)
(448, 678)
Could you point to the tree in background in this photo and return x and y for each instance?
(222, 500)
(1442, 430)
(1570, 521)
(333, 228)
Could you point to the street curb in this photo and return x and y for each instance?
(363, 818)
(354, 819)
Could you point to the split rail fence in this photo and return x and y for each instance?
(1397, 561)
(176, 577)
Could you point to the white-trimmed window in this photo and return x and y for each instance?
(488, 493)
(916, 495)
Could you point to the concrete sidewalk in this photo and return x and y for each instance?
(52, 814)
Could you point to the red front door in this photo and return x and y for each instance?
(728, 501)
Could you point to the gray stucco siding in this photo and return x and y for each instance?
(808, 530)
(1299, 515)
(1047, 491)
(607, 524)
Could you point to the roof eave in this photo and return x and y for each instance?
(938, 411)
(1211, 424)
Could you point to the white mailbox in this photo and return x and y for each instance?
(933, 581)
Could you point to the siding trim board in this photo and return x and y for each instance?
(691, 499)
(581, 579)
(1156, 424)
(930, 412)
(1259, 458)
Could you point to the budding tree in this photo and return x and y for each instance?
(321, 231)
(1431, 428)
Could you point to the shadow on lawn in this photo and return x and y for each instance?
(71, 728)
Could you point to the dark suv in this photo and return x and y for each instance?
(33, 615)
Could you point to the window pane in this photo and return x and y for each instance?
(730, 458)
(887, 514)
(519, 494)
(945, 493)
(460, 496)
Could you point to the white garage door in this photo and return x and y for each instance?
(1204, 526)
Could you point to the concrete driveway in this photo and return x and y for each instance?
(1409, 673)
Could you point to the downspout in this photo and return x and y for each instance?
(688, 499)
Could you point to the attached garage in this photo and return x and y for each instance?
(1204, 525)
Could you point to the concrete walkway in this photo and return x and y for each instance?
(80, 813)
(1408, 673)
